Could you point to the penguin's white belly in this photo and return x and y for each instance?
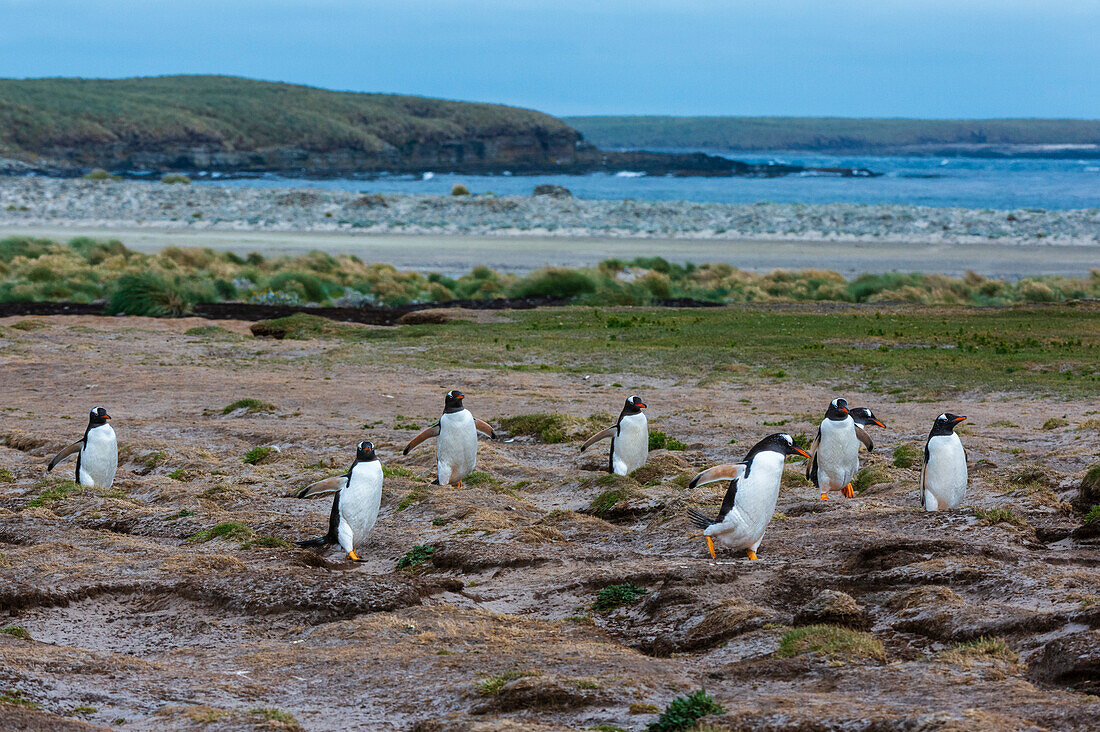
(456, 447)
(630, 447)
(99, 458)
(837, 455)
(945, 474)
(360, 500)
(754, 506)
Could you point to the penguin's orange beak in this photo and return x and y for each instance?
(959, 419)
(641, 406)
(844, 409)
(880, 424)
(107, 417)
(802, 452)
(460, 397)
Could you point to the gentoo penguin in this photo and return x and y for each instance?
(355, 505)
(750, 499)
(629, 439)
(943, 472)
(96, 452)
(863, 416)
(456, 448)
(834, 454)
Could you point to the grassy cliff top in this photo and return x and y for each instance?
(240, 114)
(827, 133)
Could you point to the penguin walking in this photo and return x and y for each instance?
(456, 446)
(834, 454)
(943, 471)
(97, 452)
(863, 417)
(629, 439)
(355, 505)
(750, 499)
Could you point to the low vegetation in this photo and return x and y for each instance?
(16, 698)
(660, 441)
(683, 712)
(994, 516)
(491, 685)
(906, 456)
(174, 280)
(16, 631)
(868, 477)
(55, 493)
(258, 454)
(614, 596)
(831, 641)
(980, 648)
(249, 404)
(416, 557)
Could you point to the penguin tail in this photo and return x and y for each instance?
(698, 518)
(436, 481)
(322, 541)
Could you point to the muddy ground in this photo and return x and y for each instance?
(131, 624)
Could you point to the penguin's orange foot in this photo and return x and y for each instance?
(848, 492)
(353, 556)
(458, 484)
(824, 496)
(710, 546)
(751, 554)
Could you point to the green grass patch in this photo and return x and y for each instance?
(415, 495)
(214, 333)
(614, 596)
(84, 710)
(274, 715)
(28, 325)
(1054, 423)
(993, 648)
(229, 531)
(607, 500)
(56, 493)
(868, 477)
(17, 631)
(258, 454)
(491, 685)
(397, 472)
(252, 405)
(179, 474)
(660, 441)
(6, 476)
(994, 516)
(830, 640)
(683, 711)
(15, 698)
(172, 179)
(415, 557)
(479, 477)
(548, 428)
(1093, 514)
(302, 326)
(182, 513)
(906, 456)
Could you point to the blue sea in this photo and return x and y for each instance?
(993, 183)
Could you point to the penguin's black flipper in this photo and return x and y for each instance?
(314, 542)
(699, 519)
(70, 450)
(865, 438)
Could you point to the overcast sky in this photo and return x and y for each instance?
(923, 58)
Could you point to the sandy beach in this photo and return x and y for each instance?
(520, 233)
(454, 255)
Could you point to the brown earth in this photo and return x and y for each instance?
(132, 626)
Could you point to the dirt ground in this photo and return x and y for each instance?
(131, 625)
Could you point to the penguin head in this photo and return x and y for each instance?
(453, 401)
(783, 444)
(838, 409)
(946, 423)
(364, 452)
(634, 405)
(97, 417)
(863, 416)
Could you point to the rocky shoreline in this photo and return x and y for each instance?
(42, 201)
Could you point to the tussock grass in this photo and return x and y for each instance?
(1054, 423)
(868, 477)
(683, 711)
(830, 640)
(614, 596)
(906, 456)
(491, 685)
(230, 531)
(1093, 514)
(171, 281)
(16, 698)
(994, 516)
(17, 631)
(257, 455)
(6, 476)
(987, 648)
(252, 405)
(548, 428)
(660, 441)
(415, 557)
